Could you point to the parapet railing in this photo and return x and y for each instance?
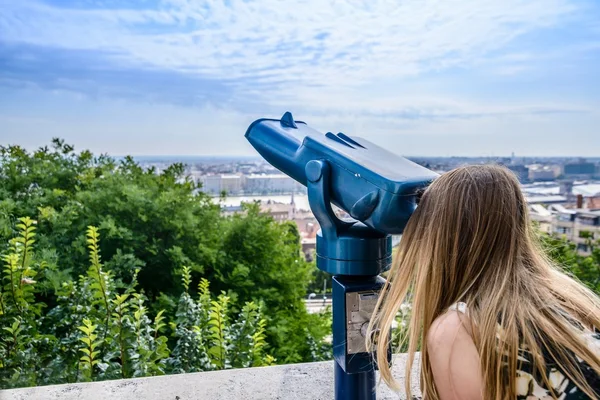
(310, 381)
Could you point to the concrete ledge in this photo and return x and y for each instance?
(311, 381)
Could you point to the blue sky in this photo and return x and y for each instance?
(187, 77)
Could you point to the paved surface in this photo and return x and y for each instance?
(312, 381)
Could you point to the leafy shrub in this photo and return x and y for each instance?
(95, 331)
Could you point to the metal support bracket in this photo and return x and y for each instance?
(317, 177)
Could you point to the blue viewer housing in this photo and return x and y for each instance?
(371, 184)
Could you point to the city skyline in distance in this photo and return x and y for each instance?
(257, 158)
(422, 78)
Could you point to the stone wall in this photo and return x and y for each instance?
(312, 381)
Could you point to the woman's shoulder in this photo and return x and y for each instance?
(449, 326)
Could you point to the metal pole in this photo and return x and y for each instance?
(354, 386)
(354, 298)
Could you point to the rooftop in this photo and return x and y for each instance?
(588, 213)
(275, 207)
(594, 203)
(584, 189)
(547, 199)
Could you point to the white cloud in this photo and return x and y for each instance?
(329, 43)
(362, 65)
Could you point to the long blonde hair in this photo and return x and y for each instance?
(470, 240)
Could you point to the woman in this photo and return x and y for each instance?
(492, 316)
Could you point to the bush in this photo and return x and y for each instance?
(96, 331)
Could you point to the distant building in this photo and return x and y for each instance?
(565, 187)
(269, 184)
(542, 172)
(309, 248)
(521, 171)
(541, 216)
(211, 184)
(546, 199)
(593, 203)
(577, 225)
(307, 223)
(235, 184)
(279, 211)
(231, 184)
(580, 169)
(216, 184)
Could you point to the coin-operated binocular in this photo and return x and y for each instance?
(378, 189)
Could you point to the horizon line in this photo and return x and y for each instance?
(406, 156)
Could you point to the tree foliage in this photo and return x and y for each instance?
(586, 268)
(152, 224)
(157, 221)
(95, 333)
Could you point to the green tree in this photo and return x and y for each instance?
(585, 268)
(151, 224)
(157, 221)
(260, 259)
